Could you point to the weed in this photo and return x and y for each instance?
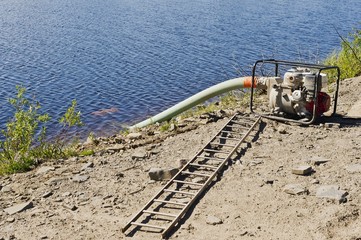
(348, 59)
(25, 135)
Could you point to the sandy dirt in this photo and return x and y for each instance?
(93, 197)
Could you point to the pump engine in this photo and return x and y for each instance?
(295, 93)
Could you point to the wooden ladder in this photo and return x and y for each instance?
(171, 203)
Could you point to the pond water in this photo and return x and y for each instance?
(138, 57)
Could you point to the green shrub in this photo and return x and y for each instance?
(348, 59)
(25, 135)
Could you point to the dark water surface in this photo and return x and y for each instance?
(141, 57)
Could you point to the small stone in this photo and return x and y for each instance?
(268, 181)
(295, 189)
(181, 163)
(315, 181)
(318, 161)
(134, 136)
(119, 175)
(331, 192)
(70, 207)
(139, 155)
(18, 208)
(172, 127)
(115, 148)
(159, 174)
(198, 180)
(47, 194)
(80, 178)
(66, 194)
(302, 170)
(332, 125)
(255, 162)
(87, 166)
(282, 130)
(54, 180)
(44, 170)
(354, 168)
(6, 189)
(10, 219)
(212, 220)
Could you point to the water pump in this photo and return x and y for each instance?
(298, 95)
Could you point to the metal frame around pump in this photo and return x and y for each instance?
(279, 63)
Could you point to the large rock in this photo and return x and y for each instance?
(159, 174)
(18, 208)
(331, 192)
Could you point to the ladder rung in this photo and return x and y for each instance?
(240, 123)
(190, 183)
(202, 165)
(147, 225)
(223, 144)
(180, 192)
(228, 138)
(215, 151)
(170, 202)
(197, 174)
(160, 213)
(211, 158)
(238, 127)
(246, 118)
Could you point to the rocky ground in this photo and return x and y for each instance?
(260, 195)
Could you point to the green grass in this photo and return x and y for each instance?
(348, 59)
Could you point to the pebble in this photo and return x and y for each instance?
(54, 180)
(282, 130)
(116, 148)
(354, 168)
(302, 170)
(18, 208)
(159, 174)
(332, 192)
(66, 194)
(316, 161)
(295, 189)
(44, 170)
(198, 180)
(6, 189)
(182, 162)
(10, 219)
(212, 220)
(70, 207)
(80, 178)
(132, 136)
(87, 166)
(47, 194)
(139, 155)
